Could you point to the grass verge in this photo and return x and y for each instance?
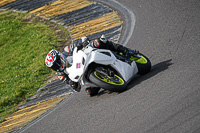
(24, 42)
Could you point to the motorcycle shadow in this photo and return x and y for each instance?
(156, 69)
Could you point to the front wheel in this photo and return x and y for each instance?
(112, 83)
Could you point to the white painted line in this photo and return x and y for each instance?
(128, 16)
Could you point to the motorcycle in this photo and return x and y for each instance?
(100, 68)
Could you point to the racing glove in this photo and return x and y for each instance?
(80, 45)
(65, 78)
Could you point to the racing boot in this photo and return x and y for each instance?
(132, 54)
(92, 91)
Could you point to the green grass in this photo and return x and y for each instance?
(24, 43)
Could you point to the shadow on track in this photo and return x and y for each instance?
(157, 68)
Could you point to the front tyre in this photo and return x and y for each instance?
(114, 83)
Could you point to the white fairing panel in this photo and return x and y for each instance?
(77, 68)
(127, 71)
(101, 58)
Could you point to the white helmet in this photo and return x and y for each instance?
(103, 39)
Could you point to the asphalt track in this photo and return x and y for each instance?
(165, 100)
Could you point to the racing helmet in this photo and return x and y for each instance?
(55, 61)
(103, 39)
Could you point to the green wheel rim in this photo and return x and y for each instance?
(119, 82)
(142, 60)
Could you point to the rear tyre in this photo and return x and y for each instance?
(144, 65)
(115, 83)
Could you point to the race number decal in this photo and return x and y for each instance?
(78, 65)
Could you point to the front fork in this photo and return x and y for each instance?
(105, 72)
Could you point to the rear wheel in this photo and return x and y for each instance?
(112, 83)
(143, 64)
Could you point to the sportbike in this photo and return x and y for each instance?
(100, 68)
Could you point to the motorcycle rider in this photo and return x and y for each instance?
(59, 61)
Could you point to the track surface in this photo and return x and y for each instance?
(166, 99)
